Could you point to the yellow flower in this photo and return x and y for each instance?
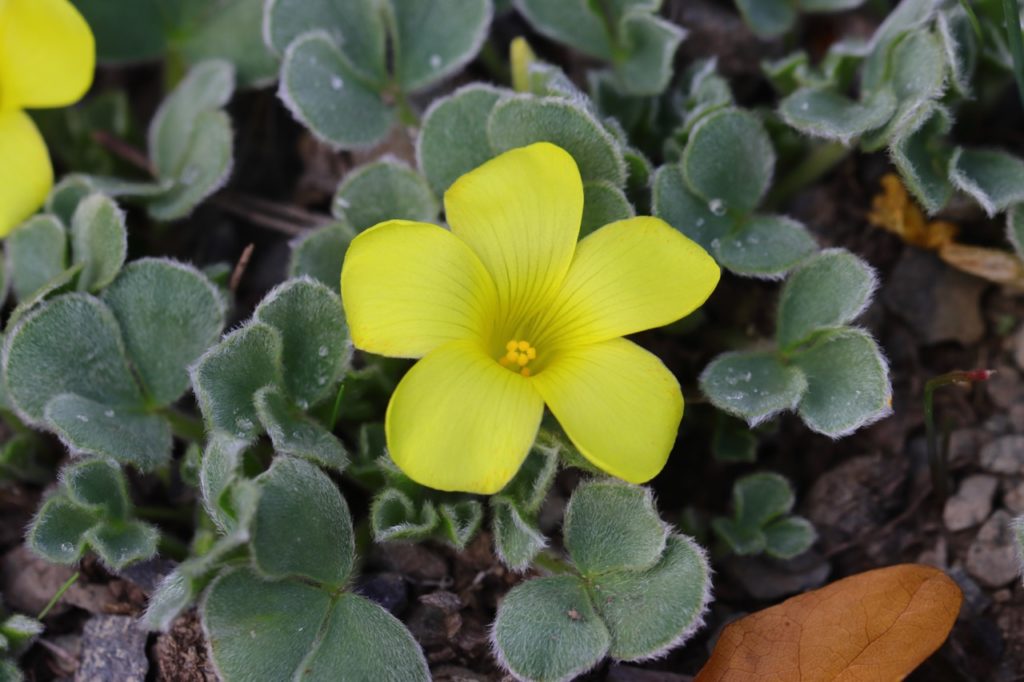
(47, 58)
(508, 313)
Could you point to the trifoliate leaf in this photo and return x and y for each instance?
(384, 190)
(753, 385)
(453, 136)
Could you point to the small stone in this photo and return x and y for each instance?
(113, 648)
(939, 303)
(937, 556)
(1017, 417)
(964, 446)
(1013, 498)
(971, 504)
(767, 579)
(386, 589)
(976, 600)
(1018, 348)
(1004, 455)
(1004, 388)
(1003, 595)
(992, 557)
(416, 562)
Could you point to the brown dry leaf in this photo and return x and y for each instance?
(895, 211)
(877, 625)
(991, 264)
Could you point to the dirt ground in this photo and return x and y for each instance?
(870, 496)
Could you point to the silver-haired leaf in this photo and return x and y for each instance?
(766, 246)
(433, 40)
(753, 385)
(37, 252)
(992, 177)
(453, 136)
(384, 190)
(99, 241)
(294, 433)
(319, 254)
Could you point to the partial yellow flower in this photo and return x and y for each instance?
(509, 313)
(47, 59)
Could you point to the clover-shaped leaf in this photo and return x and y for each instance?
(319, 253)
(993, 178)
(923, 157)
(753, 385)
(37, 252)
(98, 241)
(761, 520)
(294, 433)
(395, 516)
(822, 112)
(384, 190)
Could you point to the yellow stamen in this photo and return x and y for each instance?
(519, 355)
(511, 346)
(525, 371)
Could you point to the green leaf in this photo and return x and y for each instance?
(293, 433)
(768, 18)
(119, 543)
(764, 246)
(315, 347)
(847, 383)
(728, 161)
(612, 526)
(20, 632)
(356, 25)
(302, 526)
(204, 169)
(673, 202)
(603, 203)
(520, 120)
(434, 40)
(741, 539)
(517, 540)
(71, 344)
(206, 88)
(65, 196)
(262, 630)
(37, 252)
(362, 641)
(1015, 228)
(529, 487)
(172, 596)
(227, 377)
(651, 44)
(829, 290)
(573, 22)
(732, 441)
(753, 385)
(219, 467)
(922, 154)
(992, 177)
(58, 530)
(453, 136)
(822, 112)
(760, 498)
(394, 516)
(960, 44)
(649, 613)
(547, 630)
(99, 241)
(124, 434)
(169, 314)
(789, 537)
(829, 5)
(231, 30)
(384, 190)
(99, 485)
(59, 284)
(107, 21)
(319, 253)
(460, 521)
(324, 93)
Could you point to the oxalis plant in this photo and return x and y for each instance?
(454, 337)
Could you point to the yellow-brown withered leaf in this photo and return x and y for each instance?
(877, 625)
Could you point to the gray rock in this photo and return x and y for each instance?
(1018, 348)
(937, 556)
(938, 302)
(992, 557)
(972, 503)
(1016, 416)
(768, 579)
(113, 648)
(965, 444)
(1004, 387)
(1013, 497)
(1004, 455)
(976, 600)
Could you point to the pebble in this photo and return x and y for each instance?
(1017, 417)
(1004, 387)
(1018, 348)
(113, 648)
(386, 589)
(965, 444)
(1004, 455)
(1013, 498)
(992, 557)
(767, 579)
(937, 556)
(972, 503)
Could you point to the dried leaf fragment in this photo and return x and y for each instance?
(877, 625)
(893, 210)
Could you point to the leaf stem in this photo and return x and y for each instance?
(937, 459)
(1011, 17)
(553, 564)
(56, 597)
(820, 160)
(184, 426)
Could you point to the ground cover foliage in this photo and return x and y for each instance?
(194, 442)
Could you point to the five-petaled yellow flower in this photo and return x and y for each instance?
(47, 58)
(508, 313)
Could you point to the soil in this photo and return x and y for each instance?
(870, 496)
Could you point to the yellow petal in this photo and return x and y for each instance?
(628, 276)
(26, 175)
(520, 212)
(458, 421)
(617, 403)
(409, 287)
(47, 54)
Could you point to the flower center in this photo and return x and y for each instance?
(518, 355)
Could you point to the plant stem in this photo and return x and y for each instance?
(937, 457)
(174, 514)
(56, 597)
(819, 161)
(552, 564)
(183, 426)
(1011, 17)
(173, 547)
